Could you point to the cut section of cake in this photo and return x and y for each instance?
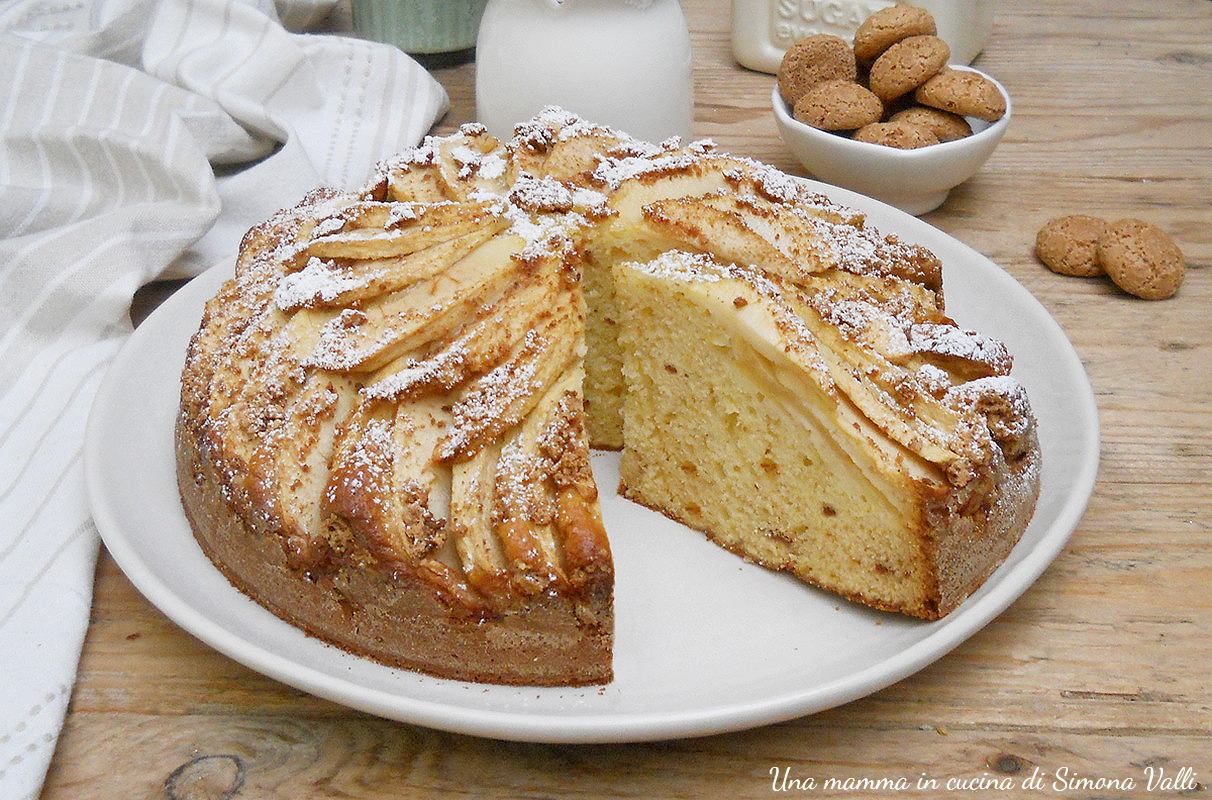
(841, 429)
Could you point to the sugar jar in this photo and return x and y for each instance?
(762, 30)
(623, 63)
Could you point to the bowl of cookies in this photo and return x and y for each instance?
(888, 116)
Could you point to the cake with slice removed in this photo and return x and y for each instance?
(386, 416)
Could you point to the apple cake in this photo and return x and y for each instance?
(387, 414)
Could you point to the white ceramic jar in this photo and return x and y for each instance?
(762, 30)
(623, 63)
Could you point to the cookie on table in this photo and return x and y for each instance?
(1141, 258)
(965, 93)
(838, 105)
(888, 26)
(945, 125)
(1069, 244)
(900, 134)
(907, 65)
(813, 60)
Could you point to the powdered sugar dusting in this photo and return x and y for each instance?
(329, 225)
(403, 212)
(677, 265)
(332, 350)
(554, 124)
(320, 281)
(614, 171)
(1001, 400)
(441, 371)
(487, 166)
(367, 466)
(935, 380)
(948, 340)
(484, 404)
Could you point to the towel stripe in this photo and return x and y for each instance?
(85, 528)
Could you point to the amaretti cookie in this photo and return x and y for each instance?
(899, 134)
(906, 65)
(838, 106)
(1069, 244)
(814, 60)
(968, 94)
(943, 124)
(888, 26)
(1141, 258)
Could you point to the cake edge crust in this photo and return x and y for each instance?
(404, 623)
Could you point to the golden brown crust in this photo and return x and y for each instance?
(390, 613)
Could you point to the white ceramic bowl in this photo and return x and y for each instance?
(915, 181)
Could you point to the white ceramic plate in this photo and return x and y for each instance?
(705, 642)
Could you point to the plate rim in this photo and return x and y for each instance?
(946, 634)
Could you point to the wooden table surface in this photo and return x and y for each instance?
(1100, 671)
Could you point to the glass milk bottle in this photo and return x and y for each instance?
(622, 63)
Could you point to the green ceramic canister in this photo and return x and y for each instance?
(433, 31)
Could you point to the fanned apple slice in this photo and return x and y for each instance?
(526, 508)
(303, 452)
(805, 240)
(501, 398)
(355, 503)
(789, 240)
(330, 284)
(575, 158)
(392, 326)
(246, 403)
(725, 233)
(416, 181)
(859, 320)
(472, 492)
(564, 441)
(438, 224)
(469, 161)
(485, 342)
(763, 182)
(221, 323)
(386, 215)
(447, 168)
(538, 148)
(380, 483)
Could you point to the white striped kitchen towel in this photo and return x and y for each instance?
(138, 139)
